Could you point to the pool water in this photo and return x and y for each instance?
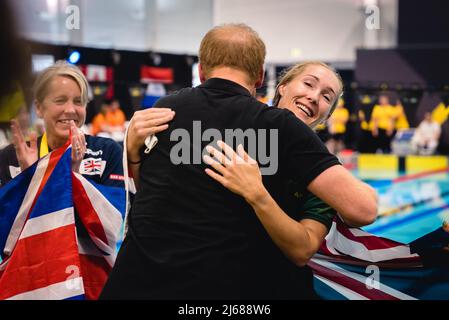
(410, 207)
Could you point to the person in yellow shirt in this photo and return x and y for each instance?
(337, 128)
(400, 119)
(440, 113)
(383, 123)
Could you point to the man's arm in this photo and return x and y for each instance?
(354, 200)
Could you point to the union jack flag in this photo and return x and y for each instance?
(354, 264)
(58, 232)
(92, 166)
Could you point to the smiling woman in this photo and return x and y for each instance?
(310, 90)
(61, 100)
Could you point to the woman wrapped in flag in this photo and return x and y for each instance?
(61, 97)
(61, 198)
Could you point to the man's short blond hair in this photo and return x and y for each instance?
(233, 45)
(64, 69)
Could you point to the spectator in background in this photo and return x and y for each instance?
(99, 121)
(440, 113)
(383, 121)
(337, 128)
(400, 119)
(110, 122)
(426, 136)
(365, 142)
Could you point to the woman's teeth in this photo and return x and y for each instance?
(306, 110)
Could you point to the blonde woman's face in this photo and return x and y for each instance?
(311, 94)
(61, 105)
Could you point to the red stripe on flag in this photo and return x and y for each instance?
(86, 212)
(40, 261)
(370, 242)
(95, 271)
(399, 263)
(352, 284)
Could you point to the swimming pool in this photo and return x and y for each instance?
(409, 205)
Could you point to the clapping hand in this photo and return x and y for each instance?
(26, 154)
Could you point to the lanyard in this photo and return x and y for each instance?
(43, 150)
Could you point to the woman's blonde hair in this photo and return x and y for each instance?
(291, 73)
(64, 69)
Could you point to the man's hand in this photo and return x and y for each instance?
(144, 123)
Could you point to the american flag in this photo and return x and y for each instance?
(44, 254)
(356, 265)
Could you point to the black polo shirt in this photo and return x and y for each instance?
(189, 237)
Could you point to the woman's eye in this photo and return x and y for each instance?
(77, 102)
(308, 84)
(60, 101)
(327, 98)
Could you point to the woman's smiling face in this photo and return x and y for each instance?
(61, 105)
(311, 94)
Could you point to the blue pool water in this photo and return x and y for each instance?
(411, 208)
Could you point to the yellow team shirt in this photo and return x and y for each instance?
(363, 123)
(384, 115)
(401, 119)
(440, 113)
(338, 121)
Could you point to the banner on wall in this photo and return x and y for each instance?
(156, 74)
(97, 73)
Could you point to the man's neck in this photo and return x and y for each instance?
(234, 75)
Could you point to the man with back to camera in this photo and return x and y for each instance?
(188, 237)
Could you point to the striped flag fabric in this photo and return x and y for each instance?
(58, 232)
(356, 265)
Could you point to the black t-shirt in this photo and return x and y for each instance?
(189, 237)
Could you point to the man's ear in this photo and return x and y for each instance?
(260, 79)
(201, 73)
